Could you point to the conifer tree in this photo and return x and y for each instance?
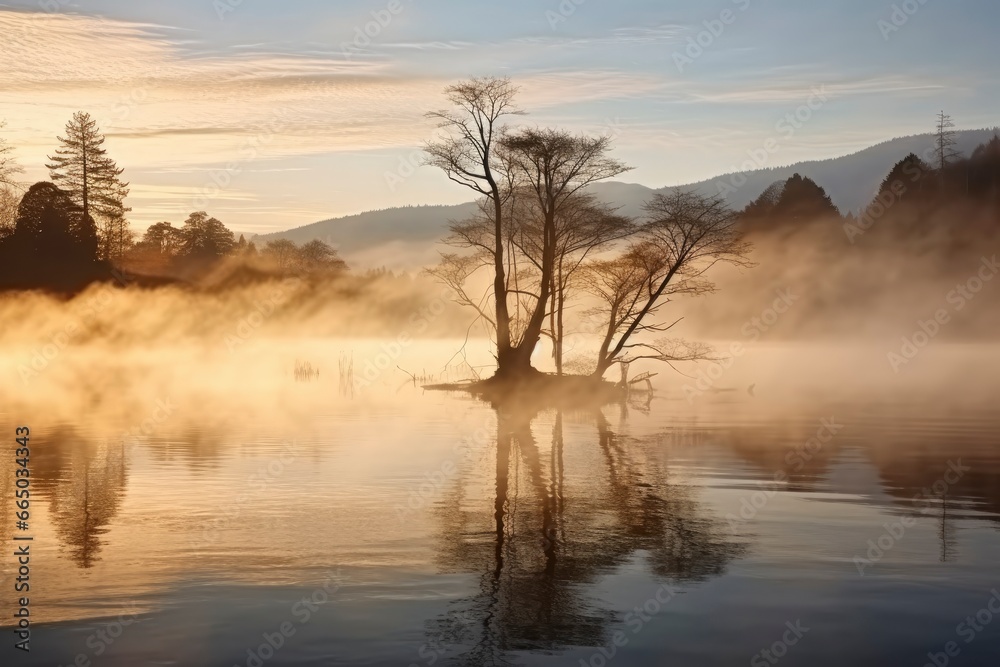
(82, 169)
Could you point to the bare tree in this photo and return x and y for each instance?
(284, 253)
(584, 227)
(551, 168)
(116, 238)
(9, 168)
(945, 141)
(685, 234)
(467, 155)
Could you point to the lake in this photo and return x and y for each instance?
(807, 506)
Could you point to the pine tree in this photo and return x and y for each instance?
(803, 199)
(82, 168)
(945, 142)
(907, 181)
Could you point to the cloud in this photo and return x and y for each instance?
(765, 91)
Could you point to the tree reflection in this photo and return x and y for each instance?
(87, 496)
(555, 529)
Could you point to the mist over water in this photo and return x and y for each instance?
(220, 453)
(231, 498)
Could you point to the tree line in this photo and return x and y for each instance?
(915, 191)
(72, 230)
(203, 242)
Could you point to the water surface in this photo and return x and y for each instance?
(394, 526)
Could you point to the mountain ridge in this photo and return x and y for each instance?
(408, 235)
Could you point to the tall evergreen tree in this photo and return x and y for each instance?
(803, 199)
(82, 168)
(764, 205)
(907, 181)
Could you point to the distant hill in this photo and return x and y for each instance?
(407, 237)
(852, 180)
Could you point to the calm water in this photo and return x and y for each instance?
(398, 527)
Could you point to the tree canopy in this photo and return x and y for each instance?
(204, 237)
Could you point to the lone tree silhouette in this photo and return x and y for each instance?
(468, 156)
(82, 168)
(945, 142)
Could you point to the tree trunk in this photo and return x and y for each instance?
(515, 363)
(521, 359)
(560, 326)
(500, 282)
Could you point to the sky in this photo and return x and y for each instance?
(271, 115)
